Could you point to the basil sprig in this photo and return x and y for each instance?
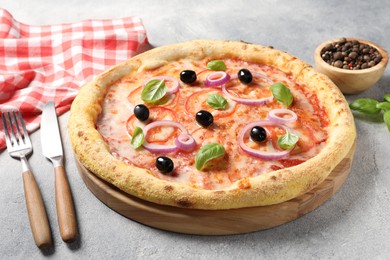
(207, 153)
(216, 101)
(373, 107)
(385, 106)
(154, 91)
(282, 93)
(365, 105)
(288, 140)
(138, 138)
(386, 118)
(216, 65)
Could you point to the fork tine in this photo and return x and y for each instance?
(25, 133)
(14, 120)
(6, 131)
(15, 128)
(12, 129)
(11, 132)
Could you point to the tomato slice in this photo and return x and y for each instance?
(275, 167)
(210, 135)
(197, 101)
(257, 89)
(286, 163)
(276, 132)
(309, 138)
(270, 144)
(170, 100)
(290, 162)
(157, 134)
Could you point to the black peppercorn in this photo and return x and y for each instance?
(350, 55)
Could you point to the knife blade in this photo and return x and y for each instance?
(52, 150)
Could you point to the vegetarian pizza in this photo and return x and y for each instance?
(211, 125)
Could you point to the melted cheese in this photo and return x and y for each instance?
(235, 165)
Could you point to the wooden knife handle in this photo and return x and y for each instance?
(65, 209)
(36, 211)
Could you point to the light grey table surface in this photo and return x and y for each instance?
(354, 224)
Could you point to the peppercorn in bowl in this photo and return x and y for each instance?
(354, 65)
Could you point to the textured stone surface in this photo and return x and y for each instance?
(352, 225)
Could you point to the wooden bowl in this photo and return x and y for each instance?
(352, 81)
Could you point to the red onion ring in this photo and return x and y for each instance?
(161, 148)
(257, 153)
(174, 81)
(261, 76)
(185, 142)
(217, 78)
(273, 116)
(245, 101)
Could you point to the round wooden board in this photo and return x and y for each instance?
(216, 222)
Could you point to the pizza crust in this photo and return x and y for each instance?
(267, 189)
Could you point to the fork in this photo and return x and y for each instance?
(19, 146)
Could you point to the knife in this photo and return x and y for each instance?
(52, 150)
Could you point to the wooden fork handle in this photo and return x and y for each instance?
(65, 208)
(36, 211)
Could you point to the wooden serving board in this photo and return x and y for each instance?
(216, 222)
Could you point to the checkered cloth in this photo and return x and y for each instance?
(51, 62)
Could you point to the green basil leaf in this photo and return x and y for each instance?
(216, 65)
(386, 118)
(386, 97)
(365, 105)
(288, 140)
(383, 105)
(138, 137)
(282, 93)
(153, 91)
(216, 101)
(207, 153)
(165, 99)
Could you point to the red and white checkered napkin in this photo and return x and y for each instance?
(51, 62)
